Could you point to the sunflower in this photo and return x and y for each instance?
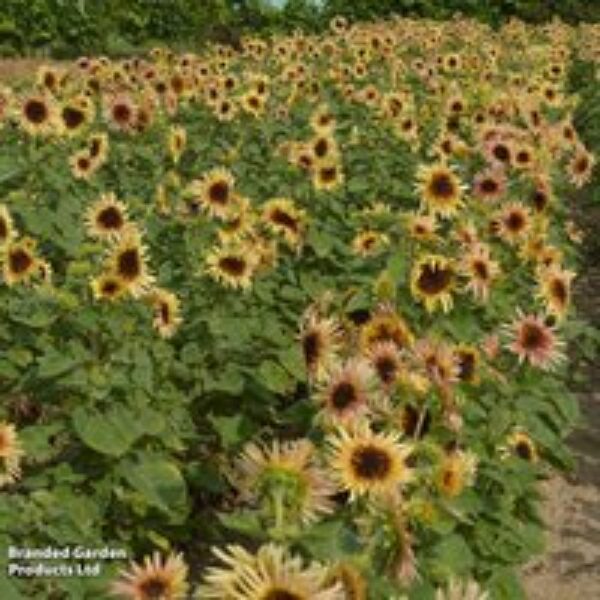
(421, 227)
(328, 175)
(385, 325)
(513, 223)
(76, 114)
(481, 271)
(108, 286)
(432, 279)
(83, 166)
(240, 222)
(369, 242)
(127, 261)
(156, 578)
(167, 312)
(7, 228)
(283, 218)
(365, 463)
(97, 147)
(232, 265)
(438, 360)
(555, 290)
(322, 120)
(20, 262)
(215, 192)
(324, 148)
(320, 339)
(120, 112)
(489, 185)
(287, 469)
(11, 454)
(440, 189)
(521, 444)
(270, 574)
(253, 103)
(38, 115)
(385, 360)
(351, 579)
(345, 393)
(106, 219)
(225, 110)
(580, 167)
(532, 340)
(176, 140)
(467, 358)
(455, 472)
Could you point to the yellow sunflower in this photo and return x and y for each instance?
(440, 189)
(555, 290)
(108, 286)
(20, 262)
(283, 218)
(215, 192)
(106, 219)
(328, 176)
(385, 325)
(176, 141)
(521, 444)
(167, 312)
(7, 228)
(232, 265)
(369, 242)
(11, 454)
(432, 280)
(455, 472)
(38, 115)
(320, 338)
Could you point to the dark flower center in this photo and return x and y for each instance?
(515, 221)
(466, 366)
(83, 163)
(281, 594)
(72, 117)
(321, 147)
(371, 462)
(3, 229)
(36, 111)
(95, 148)
(489, 186)
(532, 337)
(343, 395)
(165, 314)
(386, 369)
(328, 174)
(153, 589)
(311, 343)
(434, 279)
(110, 288)
(280, 217)
(523, 450)
(540, 200)
(110, 218)
(122, 113)
(233, 265)
(129, 264)
(501, 152)
(481, 269)
(219, 192)
(442, 186)
(559, 291)
(19, 261)
(581, 165)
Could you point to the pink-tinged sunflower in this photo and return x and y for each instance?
(455, 472)
(120, 112)
(532, 340)
(155, 579)
(513, 223)
(215, 192)
(432, 280)
(440, 189)
(580, 167)
(481, 271)
(346, 393)
(421, 227)
(7, 228)
(489, 185)
(20, 262)
(369, 243)
(437, 359)
(11, 454)
(233, 265)
(555, 290)
(38, 115)
(167, 312)
(107, 218)
(127, 261)
(370, 464)
(282, 217)
(287, 470)
(270, 574)
(385, 359)
(321, 341)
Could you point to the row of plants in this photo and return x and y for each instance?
(65, 28)
(291, 321)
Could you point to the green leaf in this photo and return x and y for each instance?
(228, 428)
(55, 364)
(244, 522)
(274, 376)
(452, 555)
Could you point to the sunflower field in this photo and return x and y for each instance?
(290, 321)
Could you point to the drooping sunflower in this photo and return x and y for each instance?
(478, 266)
(108, 286)
(440, 189)
(38, 115)
(232, 265)
(11, 454)
(127, 261)
(167, 312)
(107, 218)
(156, 578)
(20, 262)
(365, 463)
(455, 471)
(176, 141)
(346, 393)
(215, 192)
(467, 358)
(369, 242)
(270, 574)
(321, 340)
(283, 218)
(555, 290)
(287, 469)
(7, 228)
(97, 147)
(432, 280)
(532, 340)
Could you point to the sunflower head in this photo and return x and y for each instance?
(20, 261)
(432, 280)
(107, 218)
(440, 189)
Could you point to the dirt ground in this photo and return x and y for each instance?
(570, 567)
